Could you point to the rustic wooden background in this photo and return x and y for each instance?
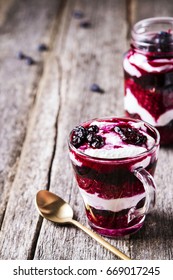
(40, 104)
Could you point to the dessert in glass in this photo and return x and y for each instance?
(114, 160)
(148, 75)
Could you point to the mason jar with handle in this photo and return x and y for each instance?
(114, 161)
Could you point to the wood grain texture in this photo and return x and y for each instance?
(84, 60)
(21, 171)
(39, 106)
(157, 234)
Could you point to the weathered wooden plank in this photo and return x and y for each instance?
(18, 80)
(21, 219)
(86, 56)
(17, 100)
(157, 235)
(49, 108)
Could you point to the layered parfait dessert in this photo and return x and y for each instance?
(148, 74)
(104, 154)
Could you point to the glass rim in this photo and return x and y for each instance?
(152, 128)
(148, 21)
(143, 31)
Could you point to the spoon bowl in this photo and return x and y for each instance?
(55, 209)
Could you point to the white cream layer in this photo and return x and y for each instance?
(115, 153)
(114, 205)
(132, 106)
(74, 160)
(141, 62)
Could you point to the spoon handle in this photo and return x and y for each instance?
(100, 240)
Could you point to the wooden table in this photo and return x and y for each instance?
(41, 103)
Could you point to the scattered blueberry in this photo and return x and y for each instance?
(93, 128)
(21, 55)
(85, 24)
(30, 60)
(42, 48)
(96, 88)
(78, 14)
(131, 135)
(97, 142)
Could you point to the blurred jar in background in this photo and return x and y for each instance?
(148, 75)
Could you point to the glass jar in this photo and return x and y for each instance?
(148, 75)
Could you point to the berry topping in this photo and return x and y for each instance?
(163, 39)
(90, 137)
(77, 141)
(80, 131)
(93, 128)
(79, 136)
(82, 135)
(131, 135)
(96, 88)
(97, 142)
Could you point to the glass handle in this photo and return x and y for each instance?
(150, 194)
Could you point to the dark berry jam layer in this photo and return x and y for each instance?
(112, 181)
(120, 232)
(110, 220)
(154, 98)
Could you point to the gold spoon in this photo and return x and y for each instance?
(53, 208)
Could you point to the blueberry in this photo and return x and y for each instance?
(131, 135)
(163, 40)
(164, 34)
(93, 128)
(21, 55)
(90, 136)
(42, 48)
(77, 141)
(78, 14)
(117, 129)
(80, 131)
(97, 142)
(30, 60)
(85, 24)
(79, 136)
(96, 88)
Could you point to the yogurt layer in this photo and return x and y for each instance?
(114, 205)
(140, 62)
